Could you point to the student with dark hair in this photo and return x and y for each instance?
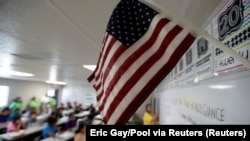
(4, 116)
(15, 113)
(71, 123)
(80, 134)
(15, 125)
(50, 129)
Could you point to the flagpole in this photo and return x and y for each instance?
(196, 31)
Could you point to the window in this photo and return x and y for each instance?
(4, 93)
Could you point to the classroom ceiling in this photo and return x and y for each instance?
(53, 38)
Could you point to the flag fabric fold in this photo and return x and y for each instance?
(139, 50)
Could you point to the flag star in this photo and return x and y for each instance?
(125, 27)
(128, 8)
(133, 39)
(128, 44)
(132, 28)
(119, 31)
(126, 32)
(126, 38)
(143, 22)
(139, 34)
(138, 4)
(119, 37)
(149, 20)
(147, 13)
(118, 26)
(138, 29)
(117, 16)
(142, 16)
(145, 28)
(130, 23)
(135, 12)
(137, 23)
(140, 10)
(133, 34)
(129, 13)
(113, 32)
(123, 11)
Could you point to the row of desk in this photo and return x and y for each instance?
(60, 137)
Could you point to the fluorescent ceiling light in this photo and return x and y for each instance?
(14, 73)
(220, 86)
(56, 82)
(90, 67)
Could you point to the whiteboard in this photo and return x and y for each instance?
(221, 102)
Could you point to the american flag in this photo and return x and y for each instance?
(139, 49)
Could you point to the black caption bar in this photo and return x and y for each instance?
(160, 132)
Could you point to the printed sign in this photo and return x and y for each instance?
(232, 27)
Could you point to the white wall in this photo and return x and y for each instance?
(80, 92)
(24, 89)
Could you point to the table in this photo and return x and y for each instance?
(29, 131)
(22, 133)
(68, 112)
(61, 137)
(82, 114)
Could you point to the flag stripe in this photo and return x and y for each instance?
(114, 49)
(141, 70)
(116, 55)
(104, 56)
(150, 73)
(136, 54)
(145, 92)
(92, 77)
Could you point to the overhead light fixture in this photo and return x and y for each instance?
(56, 82)
(14, 73)
(90, 67)
(220, 86)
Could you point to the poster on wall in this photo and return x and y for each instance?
(189, 65)
(204, 57)
(232, 27)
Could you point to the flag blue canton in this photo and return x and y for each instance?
(130, 21)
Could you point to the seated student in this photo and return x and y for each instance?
(80, 134)
(71, 123)
(50, 129)
(15, 125)
(59, 113)
(14, 114)
(4, 116)
(32, 122)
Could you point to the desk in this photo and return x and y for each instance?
(61, 137)
(22, 133)
(82, 114)
(62, 120)
(68, 112)
(29, 131)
